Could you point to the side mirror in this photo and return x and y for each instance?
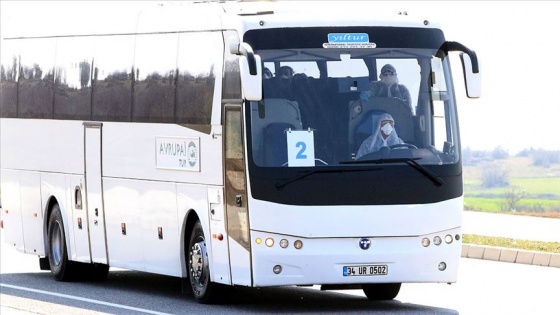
(473, 82)
(471, 71)
(250, 70)
(251, 84)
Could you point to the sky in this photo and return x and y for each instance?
(517, 44)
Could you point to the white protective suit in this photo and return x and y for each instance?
(375, 141)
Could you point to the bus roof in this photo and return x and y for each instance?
(150, 17)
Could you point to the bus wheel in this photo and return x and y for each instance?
(61, 267)
(199, 269)
(381, 291)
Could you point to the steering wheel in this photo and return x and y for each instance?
(403, 145)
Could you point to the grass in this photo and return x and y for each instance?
(551, 247)
(539, 188)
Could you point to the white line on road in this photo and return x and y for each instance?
(77, 298)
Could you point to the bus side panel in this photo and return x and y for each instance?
(11, 209)
(31, 212)
(160, 227)
(123, 224)
(150, 238)
(36, 145)
(195, 197)
(240, 264)
(219, 254)
(78, 222)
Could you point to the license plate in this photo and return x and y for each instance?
(367, 270)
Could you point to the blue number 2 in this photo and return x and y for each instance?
(300, 154)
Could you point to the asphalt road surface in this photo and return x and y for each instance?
(484, 287)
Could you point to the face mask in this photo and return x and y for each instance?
(387, 129)
(389, 80)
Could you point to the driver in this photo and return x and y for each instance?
(385, 135)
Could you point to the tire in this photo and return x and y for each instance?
(381, 291)
(61, 268)
(204, 290)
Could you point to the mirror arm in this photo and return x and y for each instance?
(246, 50)
(456, 46)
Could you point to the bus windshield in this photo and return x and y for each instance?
(327, 107)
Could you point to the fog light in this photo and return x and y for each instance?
(277, 269)
(457, 236)
(258, 240)
(448, 239)
(269, 242)
(298, 244)
(437, 240)
(284, 243)
(425, 242)
(442, 266)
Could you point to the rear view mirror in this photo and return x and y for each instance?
(250, 70)
(251, 84)
(471, 71)
(473, 82)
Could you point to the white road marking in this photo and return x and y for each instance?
(77, 298)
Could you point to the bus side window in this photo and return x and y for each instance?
(196, 78)
(112, 78)
(155, 78)
(36, 79)
(9, 77)
(74, 59)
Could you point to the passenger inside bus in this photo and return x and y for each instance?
(384, 135)
(285, 72)
(267, 74)
(388, 86)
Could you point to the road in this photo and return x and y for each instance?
(511, 226)
(484, 287)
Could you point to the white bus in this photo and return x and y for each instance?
(170, 143)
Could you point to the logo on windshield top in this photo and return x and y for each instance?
(365, 243)
(348, 40)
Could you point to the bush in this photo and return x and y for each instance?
(545, 158)
(499, 154)
(493, 175)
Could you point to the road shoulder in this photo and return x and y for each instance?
(511, 255)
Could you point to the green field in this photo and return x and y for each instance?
(537, 188)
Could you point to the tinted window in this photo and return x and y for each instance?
(36, 78)
(8, 80)
(74, 60)
(197, 56)
(155, 78)
(160, 78)
(113, 75)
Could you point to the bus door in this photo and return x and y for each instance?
(236, 197)
(94, 192)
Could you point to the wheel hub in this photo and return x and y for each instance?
(199, 262)
(56, 244)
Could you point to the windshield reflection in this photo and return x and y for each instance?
(324, 107)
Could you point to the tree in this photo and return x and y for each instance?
(85, 71)
(499, 154)
(493, 175)
(512, 198)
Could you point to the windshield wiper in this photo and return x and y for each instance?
(281, 185)
(437, 180)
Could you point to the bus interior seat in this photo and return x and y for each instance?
(274, 145)
(365, 114)
(268, 129)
